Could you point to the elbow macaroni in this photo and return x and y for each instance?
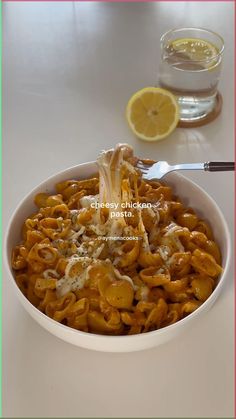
(70, 269)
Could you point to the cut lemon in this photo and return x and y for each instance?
(195, 49)
(152, 113)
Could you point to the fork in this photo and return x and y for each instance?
(160, 169)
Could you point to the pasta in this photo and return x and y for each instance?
(115, 254)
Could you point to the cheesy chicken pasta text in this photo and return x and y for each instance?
(69, 269)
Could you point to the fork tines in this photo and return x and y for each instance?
(143, 167)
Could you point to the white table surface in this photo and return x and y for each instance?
(69, 70)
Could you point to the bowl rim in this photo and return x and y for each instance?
(140, 336)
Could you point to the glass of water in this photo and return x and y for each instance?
(191, 60)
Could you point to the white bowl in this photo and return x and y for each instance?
(191, 195)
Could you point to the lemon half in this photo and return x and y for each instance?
(152, 113)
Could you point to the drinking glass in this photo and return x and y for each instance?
(191, 61)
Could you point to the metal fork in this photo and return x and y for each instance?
(160, 169)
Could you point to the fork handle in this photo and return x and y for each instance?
(218, 166)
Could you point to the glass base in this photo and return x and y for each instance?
(193, 108)
(196, 111)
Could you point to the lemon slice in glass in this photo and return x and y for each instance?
(196, 50)
(152, 113)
